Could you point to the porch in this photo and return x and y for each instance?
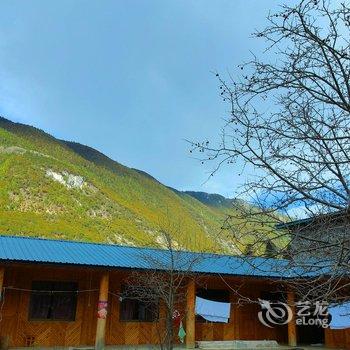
(117, 333)
(176, 347)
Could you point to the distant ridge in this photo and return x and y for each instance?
(212, 199)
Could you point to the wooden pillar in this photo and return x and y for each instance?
(4, 339)
(190, 315)
(234, 317)
(102, 312)
(292, 327)
(2, 273)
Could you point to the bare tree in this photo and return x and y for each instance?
(164, 283)
(289, 129)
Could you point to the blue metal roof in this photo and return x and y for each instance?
(36, 250)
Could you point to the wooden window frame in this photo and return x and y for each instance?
(138, 302)
(54, 297)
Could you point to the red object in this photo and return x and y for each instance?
(102, 309)
(176, 318)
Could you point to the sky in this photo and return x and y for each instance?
(131, 78)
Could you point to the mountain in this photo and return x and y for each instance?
(64, 190)
(212, 199)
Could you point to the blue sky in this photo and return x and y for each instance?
(132, 78)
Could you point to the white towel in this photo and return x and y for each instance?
(213, 311)
(340, 316)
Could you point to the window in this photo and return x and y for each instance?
(132, 309)
(220, 295)
(53, 301)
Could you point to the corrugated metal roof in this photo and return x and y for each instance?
(36, 250)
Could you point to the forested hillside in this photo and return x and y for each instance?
(58, 189)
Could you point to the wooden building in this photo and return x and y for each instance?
(59, 293)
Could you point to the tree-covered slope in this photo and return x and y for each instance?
(58, 189)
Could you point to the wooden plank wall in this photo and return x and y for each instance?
(129, 333)
(337, 338)
(244, 323)
(23, 332)
(14, 313)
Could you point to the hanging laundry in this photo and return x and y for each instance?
(182, 333)
(340, 316)
(213, 311)
(176, 318)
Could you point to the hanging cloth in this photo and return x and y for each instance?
(182, 333)
(340, 316)
(213, 311)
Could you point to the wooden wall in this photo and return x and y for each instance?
(244, 323)
(337, 338)
(129, 333)
(22, 332)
